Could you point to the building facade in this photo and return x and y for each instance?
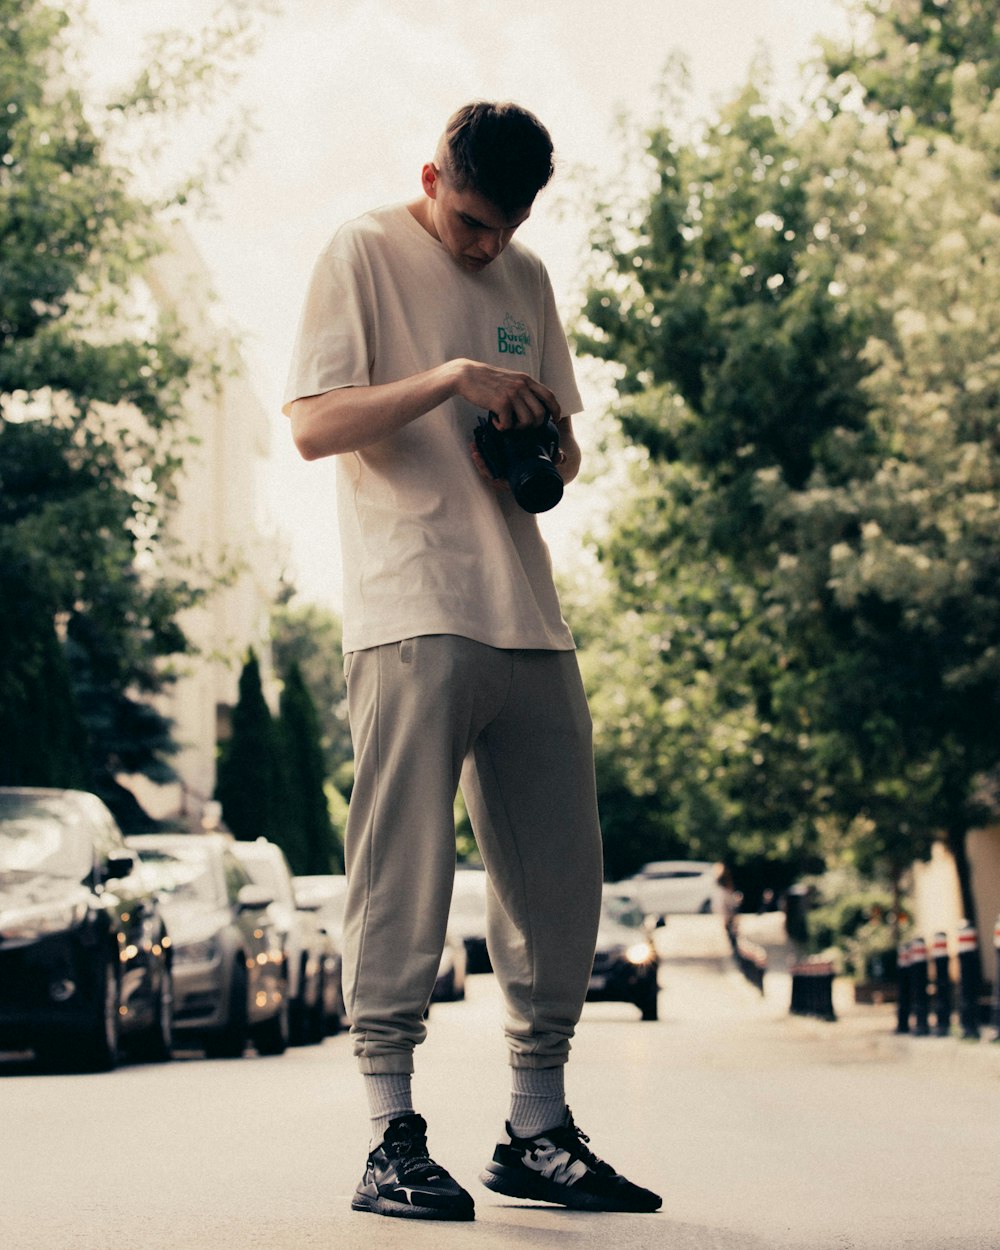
(221, 523)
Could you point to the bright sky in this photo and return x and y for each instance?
(349, 97)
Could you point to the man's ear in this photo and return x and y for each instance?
(429, 177)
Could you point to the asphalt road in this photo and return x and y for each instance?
(762, 1131)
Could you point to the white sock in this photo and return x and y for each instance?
(389, 1096)
(537, 1100)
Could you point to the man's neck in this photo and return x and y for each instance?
(420, 211)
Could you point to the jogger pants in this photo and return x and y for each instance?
(513, 728)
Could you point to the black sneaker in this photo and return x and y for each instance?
(402, 1179)
(556, 1166)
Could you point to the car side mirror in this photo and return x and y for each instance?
(254, 898)
(122, 864)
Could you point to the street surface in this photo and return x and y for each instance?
(762, 1131)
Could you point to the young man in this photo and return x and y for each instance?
(421, 318)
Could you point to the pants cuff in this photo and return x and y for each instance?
(378, 1065)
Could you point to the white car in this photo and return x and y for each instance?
(676, 886)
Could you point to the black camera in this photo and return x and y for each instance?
(525, 458)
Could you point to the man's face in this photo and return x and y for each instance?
(472, 228)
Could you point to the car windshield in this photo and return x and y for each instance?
(183, 873)
(624, 911)
(42, 835)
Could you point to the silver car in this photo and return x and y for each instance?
(326, 895)
(230, 979)
(305, 944)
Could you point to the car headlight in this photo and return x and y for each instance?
(639, 953)
(25, 924)
(205, 951)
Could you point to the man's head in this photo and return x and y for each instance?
(490, 163)
(501, 151)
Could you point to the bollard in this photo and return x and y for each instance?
(904, 1001)
(812, 990)
(918, 987)
(969, 979)
(996, 980)
(942, 985)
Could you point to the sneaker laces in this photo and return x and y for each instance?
(409, 1151)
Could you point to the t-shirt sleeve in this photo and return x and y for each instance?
(333, 344)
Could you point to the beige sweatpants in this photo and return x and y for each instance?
(513, 728)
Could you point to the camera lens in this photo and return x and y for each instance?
(536, 484)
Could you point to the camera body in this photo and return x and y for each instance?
(524, 457)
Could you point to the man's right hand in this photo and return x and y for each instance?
(516, 398)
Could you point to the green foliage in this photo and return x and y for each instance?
(92, 433)
(44, 740)
(90, 425)
(906, 60)
(308, 836)
(801, 628)
(857, 921)
(308, 637)
(271, 777)
(250, 781)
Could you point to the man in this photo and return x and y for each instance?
(420, 319)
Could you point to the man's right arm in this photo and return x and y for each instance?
(349, 418)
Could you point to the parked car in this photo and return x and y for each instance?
(676, 886)
(467, 917)
(85, 958)
(305, 943)
(230, 981)
(450, 984)
(626, 963)
(320, 894)
(327, 896)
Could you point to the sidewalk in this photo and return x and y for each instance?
(862, 1031)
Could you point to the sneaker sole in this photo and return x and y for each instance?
(402, 1211)
(519, 1183)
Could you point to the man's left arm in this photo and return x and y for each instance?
(570, 448)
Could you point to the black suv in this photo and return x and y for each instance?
(84, 955)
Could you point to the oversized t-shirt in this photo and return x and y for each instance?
(429, 546)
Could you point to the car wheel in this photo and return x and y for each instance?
(649, 1001)
(335, 1021)
(97, 1047)
(445, 992)
(272, 1037)
(229, 1042)
(299, 1022)
(317, 1017)
(155, 1044)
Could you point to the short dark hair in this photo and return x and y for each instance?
(499, 150)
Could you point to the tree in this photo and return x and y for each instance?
(805, 320)
(250, 783)
(308, 636)
(735, 361)
(91, 431)
(906, 56)
(44, 739)
(308, 836)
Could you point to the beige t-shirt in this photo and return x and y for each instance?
(429, 547)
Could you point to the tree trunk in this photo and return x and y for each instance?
(956, 844)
